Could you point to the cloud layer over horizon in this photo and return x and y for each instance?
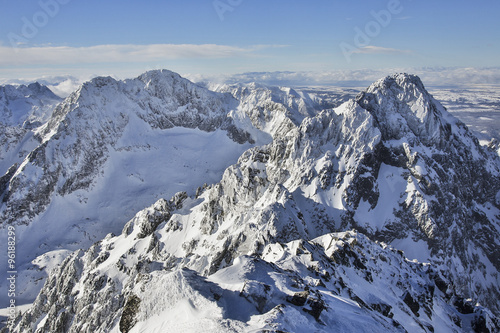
(63, 85)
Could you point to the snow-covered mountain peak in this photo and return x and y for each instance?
(404, 80)
(167, 84)
(403, 108)
(160, 74)
(23, 104)
(37, 89)
(272, 110)
(100, 81)
(164, 81)
(23, 108)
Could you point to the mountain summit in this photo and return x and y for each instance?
(381, 214)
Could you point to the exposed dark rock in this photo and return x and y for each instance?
(463, 306)
(412, 304)
(127, 320)
(383, 309)
(299, 298)
(317, 306)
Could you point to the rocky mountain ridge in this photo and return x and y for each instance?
(391, 163)
(339, 281)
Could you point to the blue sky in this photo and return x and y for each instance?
(127, 37)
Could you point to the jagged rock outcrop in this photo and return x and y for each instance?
(340, 281)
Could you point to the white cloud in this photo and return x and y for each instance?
(379, 50)
(430, 76)
(62, 85)
(57, 55)
(66, 87)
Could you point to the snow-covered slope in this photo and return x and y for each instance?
(112, 148)
(26, 105)
(269, 112)
(391, 163)
(22, 109)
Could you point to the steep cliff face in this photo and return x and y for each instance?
(261, 249)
